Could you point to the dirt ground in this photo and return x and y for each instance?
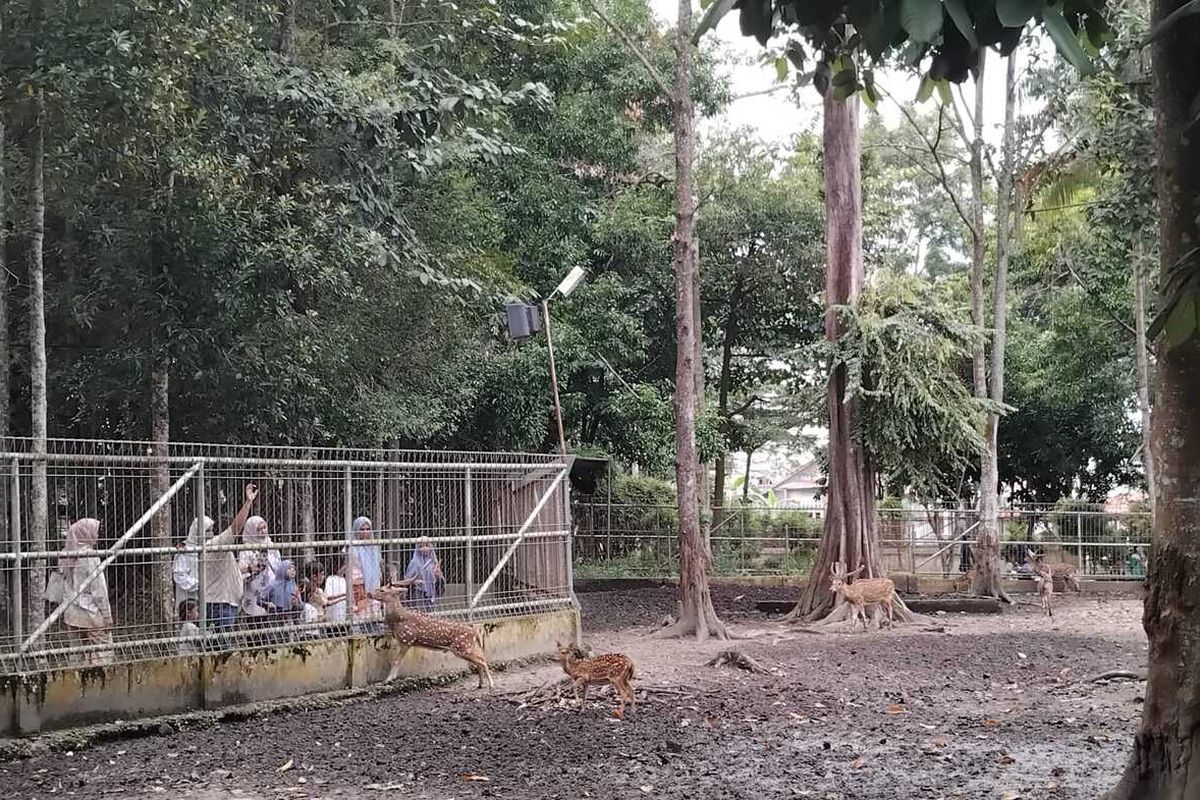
(991, 707)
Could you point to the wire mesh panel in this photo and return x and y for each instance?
(617, 540)
(142, 551)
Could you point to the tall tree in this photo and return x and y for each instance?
(1165, 764)
(39, 499)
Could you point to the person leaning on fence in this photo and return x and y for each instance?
(258, 567)
(185, 571)
(88, 617)
(222, 578)
(189, 631)
(317, 604)
(425, 574)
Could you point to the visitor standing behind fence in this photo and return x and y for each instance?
(425, 572)
(89, 616)
(223, 582)
(258, 567)
(364, 569)
(186, 568)
(319, 606)
(282, 598)
(189, 612)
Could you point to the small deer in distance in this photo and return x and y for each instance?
(862, 593)
(411, 629)
(612, 668)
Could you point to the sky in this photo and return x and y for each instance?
(778, 117)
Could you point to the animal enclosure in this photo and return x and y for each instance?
(498, 524)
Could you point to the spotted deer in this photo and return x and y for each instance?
(962, 584)
(863, 593)
(1044, 579)
(1068, 574)
(409, 628)
(612, 668)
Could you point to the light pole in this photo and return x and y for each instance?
(523, 323)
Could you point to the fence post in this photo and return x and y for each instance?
(1079, 539)
(202, 561)
(469, 516)
(18, 582)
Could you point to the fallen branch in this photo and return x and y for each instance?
(1117, 674)
(736, 658)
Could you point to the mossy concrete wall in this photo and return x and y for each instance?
(72, 697)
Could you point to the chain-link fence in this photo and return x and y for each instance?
(118, 551)
(615, 540)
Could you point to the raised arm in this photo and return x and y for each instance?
(239, 521)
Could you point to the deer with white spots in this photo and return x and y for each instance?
(412, 629)
(862, 593)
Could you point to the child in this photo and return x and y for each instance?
(189, 612)
(281, 598)
(316, 601)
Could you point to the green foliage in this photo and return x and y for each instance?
(904, 350)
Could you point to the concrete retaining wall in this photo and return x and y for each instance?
(72, 697)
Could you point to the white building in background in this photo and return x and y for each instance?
(801, 486)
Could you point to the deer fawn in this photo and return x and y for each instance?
(612, 668)
(1045, 587)
(862, 593)
(962, 584)
(411, 629)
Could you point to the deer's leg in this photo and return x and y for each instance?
(397, 656)
(581, 688)
(481, 668)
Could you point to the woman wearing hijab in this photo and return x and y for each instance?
(365, 568)
(425, 572)
(282, 599)
(223, 581)
(258, 567)
(186, 570)
(89, 616)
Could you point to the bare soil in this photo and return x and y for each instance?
(994, 706)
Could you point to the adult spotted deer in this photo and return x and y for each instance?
(1068, 574)
(613, 668)
(409, 628)
(862, 593)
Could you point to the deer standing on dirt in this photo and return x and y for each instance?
(1044, 579)
(862, 593)
(409, 628)
(612, 668)
(1060, 570)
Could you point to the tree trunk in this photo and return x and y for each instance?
(39, 506)
(729, 334)
(850, 535)
(5, 543)
(698, 363)
(162, 581)
(287, 27)
(308, 518)
(987, 547)
(697, 615)
(746, 482)
(1143, 373)
(1166, 751)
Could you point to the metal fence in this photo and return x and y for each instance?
(642, 540)
(497, 526)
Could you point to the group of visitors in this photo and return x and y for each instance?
(254, 587)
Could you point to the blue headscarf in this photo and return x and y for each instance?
(368, 557)
(423, 566)
(281, 591)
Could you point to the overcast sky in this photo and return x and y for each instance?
(777, 117)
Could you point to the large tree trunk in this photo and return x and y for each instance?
(1143, 373)
(39, 506)
(850, 536)
(1166, 751)
(696, 613)
(287, 28)
(987, 547)
(162, 582)
(5, 544)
